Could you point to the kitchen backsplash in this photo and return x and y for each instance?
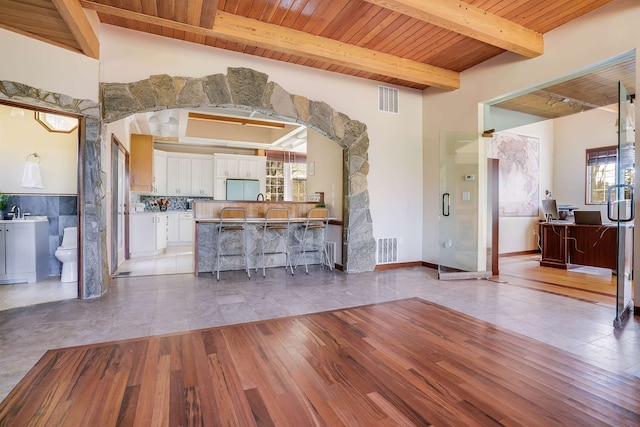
(175, 203)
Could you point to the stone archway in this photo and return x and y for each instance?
(252, 90)
(93, 267)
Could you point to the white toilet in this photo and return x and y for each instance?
(67, 254)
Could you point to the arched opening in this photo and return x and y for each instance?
(247, 89)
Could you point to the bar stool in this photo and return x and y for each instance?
(276, 224)
(232, 221)
(316, 223)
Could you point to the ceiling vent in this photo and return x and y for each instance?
(388, 99)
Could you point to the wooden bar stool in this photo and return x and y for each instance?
(276, 225)
(232, 221)
(316, 223)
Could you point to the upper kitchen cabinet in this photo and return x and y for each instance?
(252, 167)
(159, 172)
(141, 163)
(202, 176)
(178, 175)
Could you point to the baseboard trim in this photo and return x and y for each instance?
(429, 265)
(381, 267)
(531, 252)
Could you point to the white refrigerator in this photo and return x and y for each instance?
(243, 189)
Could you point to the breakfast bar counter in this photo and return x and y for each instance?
(207, 218)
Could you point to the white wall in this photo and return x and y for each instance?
(23, 135)
(517, 233)
(44, 66)
(326, 156)
(573, 135)
(395, 146)
(565, 53)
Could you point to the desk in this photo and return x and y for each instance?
(566, 244)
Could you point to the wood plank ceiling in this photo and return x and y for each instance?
(410, 43)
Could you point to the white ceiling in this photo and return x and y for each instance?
(174, 126)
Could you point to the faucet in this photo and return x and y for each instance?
(260, 195)
(15, 210)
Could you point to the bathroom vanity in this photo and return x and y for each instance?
(24, 250)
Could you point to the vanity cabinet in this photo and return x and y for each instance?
(24, 251)
(141, 163)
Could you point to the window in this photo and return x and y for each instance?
(602, 169)
(56, 123)
(286, 176)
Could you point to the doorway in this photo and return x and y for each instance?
(50, 140)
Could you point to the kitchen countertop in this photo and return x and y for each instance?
(159, 212)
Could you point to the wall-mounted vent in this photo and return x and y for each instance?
(331, 252)
(388, 98)
(387, 250)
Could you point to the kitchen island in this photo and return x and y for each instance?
(206, 217)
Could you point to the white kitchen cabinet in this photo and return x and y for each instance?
(159, 186)
(186, 227)
(232, 166)
(148, 234)
(202, 176)
(24, 251)
(180, 228)
(178, 175)
(173, 227)
(249, 168)
(226, 165)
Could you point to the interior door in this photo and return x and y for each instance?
(620, 205)
(121, 207)
(462, 251)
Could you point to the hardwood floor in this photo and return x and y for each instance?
(407, 362)
(585, 283)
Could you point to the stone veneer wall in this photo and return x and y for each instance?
(252, 90)
(93, 275)
(239, 88)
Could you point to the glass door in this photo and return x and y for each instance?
(462, 234)
(620, 205)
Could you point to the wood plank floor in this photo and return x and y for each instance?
(408, 362)
(587, 284)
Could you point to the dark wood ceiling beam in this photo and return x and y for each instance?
(79, 25)
(232, 28)
(471, 21)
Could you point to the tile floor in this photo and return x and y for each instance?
(25, 294)
(142, 306)
(175, 260)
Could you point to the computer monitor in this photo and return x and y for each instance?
(550, 209)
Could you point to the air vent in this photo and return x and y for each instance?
(331, 252)
(387, 250)
(388, 99)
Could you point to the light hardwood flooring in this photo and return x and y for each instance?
(586, 283)
(407, 362)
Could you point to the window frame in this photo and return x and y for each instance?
(611, 153)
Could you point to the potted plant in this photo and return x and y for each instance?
(3, 202)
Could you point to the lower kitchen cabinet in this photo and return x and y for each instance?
(180, 228)
(148, 234)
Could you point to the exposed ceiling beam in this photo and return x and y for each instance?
(268, 36)
(79, 25)
(235, 120)
(471, 21)
(293, 42)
